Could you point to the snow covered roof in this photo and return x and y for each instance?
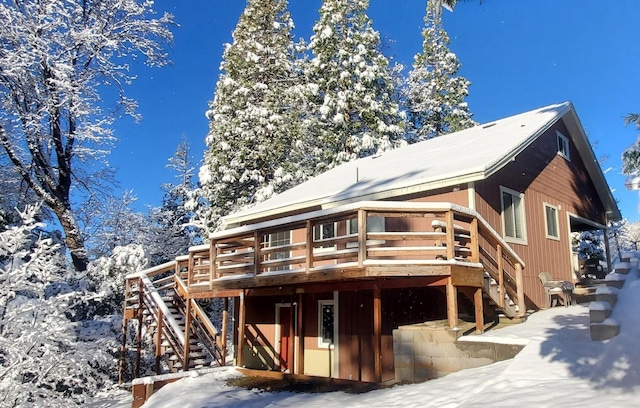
(461, 157)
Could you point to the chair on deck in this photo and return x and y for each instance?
(558, 289)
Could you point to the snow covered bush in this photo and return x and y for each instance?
(47, 358)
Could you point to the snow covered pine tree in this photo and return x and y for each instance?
(434, 93)
(253, 121)
(352, 111)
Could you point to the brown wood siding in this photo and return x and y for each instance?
(544, 177)
(399, 307)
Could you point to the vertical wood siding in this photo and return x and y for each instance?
(544, 177)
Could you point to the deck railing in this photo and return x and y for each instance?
(376, 235)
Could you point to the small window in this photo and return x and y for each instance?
(323, 232)
(274, 240)
(326, 323)
(563, 146)
(551, 221)
(513, 220)
(374, 224)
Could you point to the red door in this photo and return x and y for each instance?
(285, 338)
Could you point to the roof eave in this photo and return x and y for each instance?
(572, 122)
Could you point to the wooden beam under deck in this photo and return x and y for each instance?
(462, 276)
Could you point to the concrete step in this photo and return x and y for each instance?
(622, 268)
(607, 294)
(615, 280)
(605, 330)
(599, 311)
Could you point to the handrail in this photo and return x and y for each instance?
(175, 327)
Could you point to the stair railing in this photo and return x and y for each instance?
(170, 328)
(201, 326)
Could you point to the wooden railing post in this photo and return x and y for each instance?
(362, 237)
(309, 247)
(475, 244)
(213, 252)
(451, 240)
(520, 290)
(500, 275)
(187, 335)
(256, 254)
(190, 270)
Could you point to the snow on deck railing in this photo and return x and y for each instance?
(157, 299)
(369, 206)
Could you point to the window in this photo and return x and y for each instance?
(374, 224)
(513, 215)
(551, 221)
(326, 323)
(323, 232)
(274, 240)
(563, 145)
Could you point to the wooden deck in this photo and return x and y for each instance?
(417, 240)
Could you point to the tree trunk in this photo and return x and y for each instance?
(73, 237)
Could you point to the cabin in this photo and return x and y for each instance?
(454, 230)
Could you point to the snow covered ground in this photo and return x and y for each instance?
(559, 367)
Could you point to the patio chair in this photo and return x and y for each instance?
(559, 289)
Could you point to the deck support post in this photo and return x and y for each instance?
(477, 302)
(225, 328)
(241, 328)
(187, 335)
(139, 332)
(300, 339)
(520, 290)
(123, 351)
(452, 304)
(291, 363)
(377, 332)
(158, 341)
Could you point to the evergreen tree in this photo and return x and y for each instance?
(351, 104)
(252, 117)
(435, 93)
(171, 234)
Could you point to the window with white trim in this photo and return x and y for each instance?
(326, 323)
(563, 146)
(513, 215)
(274, 240)
(551, 221)
(323, 232)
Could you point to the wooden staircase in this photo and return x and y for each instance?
(154, 301)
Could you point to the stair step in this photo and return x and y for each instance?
(605, 330)
(599, 311)
(607, 294)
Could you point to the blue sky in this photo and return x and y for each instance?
(518, 54)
